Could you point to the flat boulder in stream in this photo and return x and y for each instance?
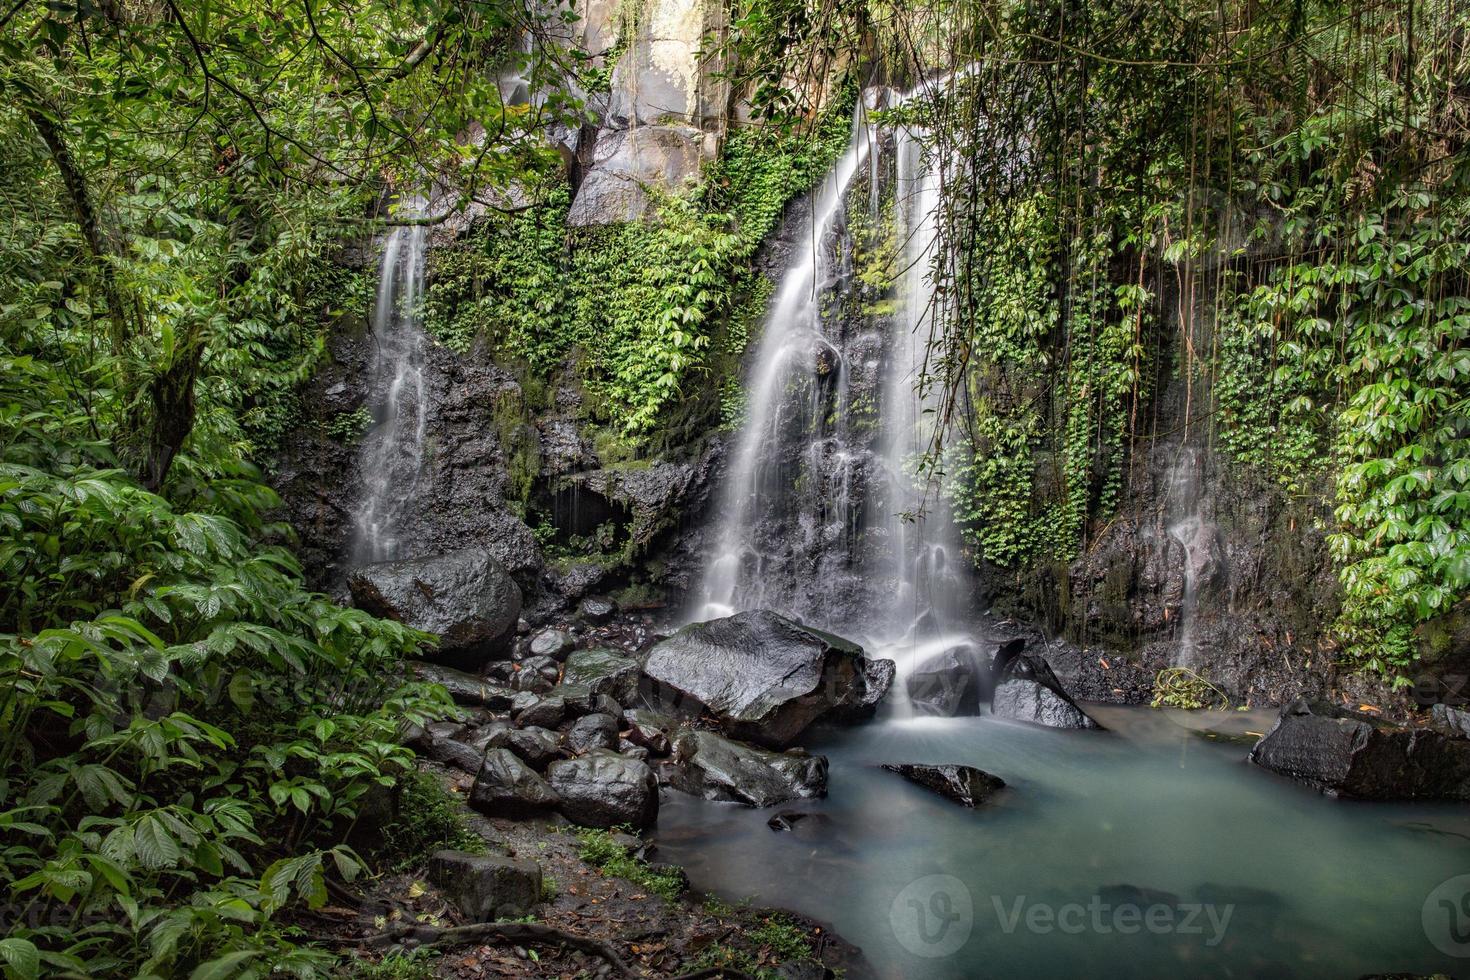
(1344, 753)
(763, 677)
(716, 768)
(466, 597)
(965, 785)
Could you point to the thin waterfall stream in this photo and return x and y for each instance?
(391, 454)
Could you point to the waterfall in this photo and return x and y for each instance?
(391, 455)
(923, 548)
(794, 448)
(1186, 527)
(822, 514)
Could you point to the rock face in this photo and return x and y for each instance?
(507, 787)
(602, 789)
(487, 887)
(466, 597)
(764, 677)
(966, 785)
(1348, 754)
(705, 764)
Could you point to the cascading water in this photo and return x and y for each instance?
(823, 516)
(391, 456)
(793, 464)
(1187, 527)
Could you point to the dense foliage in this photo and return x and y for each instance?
(191, 738)
(1264, 201)
(643, 308)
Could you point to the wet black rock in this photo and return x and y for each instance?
(552, 643)
(487, 887)
(454, 753)
(581, 700)
(546, 712)
(480, 738)
(604, 672)
(591, 732)
(716, 768)
(1030, 701)
(602, 789)
(465, 688)
(534, 746)
(1029, 691)
(507, 787)
(765, 678)
(547, 667)
(596, 609)
(1451, 721)
(965, 785)
(788, 820)
(1345, 753)
(954, 683)
(466, 597)
(649, 729)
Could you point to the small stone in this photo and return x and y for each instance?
(551, 643)
(547, 712)
(597, 609)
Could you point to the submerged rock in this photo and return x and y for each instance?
(602, 789)
(788, 820)
(764, 677)
(507, 787)
(966, 785)
(1344, 753)
(1031, 701)
(487, 887)
(466, 597)
(1027, 690)
(716, 768)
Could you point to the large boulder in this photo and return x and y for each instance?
(486, 887)
(604, 672)
(956, 682)
(536, 747)
(1027, 690)
(764, 677)
(591, 732)
(603, 789)
(1344, 753)
(466, 597)
(507, 787)
(705, 764)
(966, 785)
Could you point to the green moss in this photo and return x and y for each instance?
(598, 849)
(428, 819)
